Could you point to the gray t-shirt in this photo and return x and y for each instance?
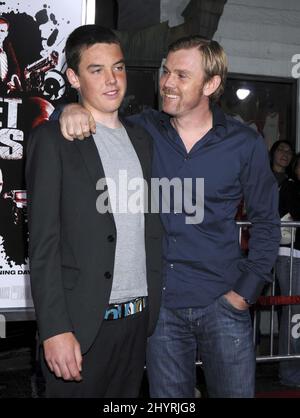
(122, 167)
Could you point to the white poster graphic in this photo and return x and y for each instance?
(32, 83)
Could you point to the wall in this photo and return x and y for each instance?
(259, 37)
(171, 10)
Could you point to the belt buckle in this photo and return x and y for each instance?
(131, 307)
(125, 309)
(113, 312)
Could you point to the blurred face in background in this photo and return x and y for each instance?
(282, 157)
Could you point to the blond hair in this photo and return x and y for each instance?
(213, 57)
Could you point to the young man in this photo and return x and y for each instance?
(95, 300)
(208, 283)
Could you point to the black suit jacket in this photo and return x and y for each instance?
(71, 245)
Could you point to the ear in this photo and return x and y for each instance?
(73, 78)
(211, 85)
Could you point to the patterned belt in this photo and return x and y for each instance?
(122, 310)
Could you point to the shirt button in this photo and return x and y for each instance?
(107, 275)
(171, 266)
(164, 288)
(174, 239)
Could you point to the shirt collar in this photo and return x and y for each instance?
(164, 119)
(219, 118)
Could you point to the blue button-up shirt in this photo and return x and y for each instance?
(204, 260)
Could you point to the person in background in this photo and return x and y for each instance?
(281, 154)
(209, 284)
(289, 203)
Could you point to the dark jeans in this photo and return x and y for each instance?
(114, 365)
(223, 337)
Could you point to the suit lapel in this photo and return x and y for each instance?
(93, 162)
(91, 158)
(140, 146)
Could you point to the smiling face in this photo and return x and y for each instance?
(182, 82)
(101, 79)
(183, 86)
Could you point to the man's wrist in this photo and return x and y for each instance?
(248, 301)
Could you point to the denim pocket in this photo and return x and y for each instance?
(226, 304)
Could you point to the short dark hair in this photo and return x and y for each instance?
(213, 55)
(84, 37)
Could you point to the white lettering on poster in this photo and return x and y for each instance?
(10, 137)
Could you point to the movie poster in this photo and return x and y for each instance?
(32, 83)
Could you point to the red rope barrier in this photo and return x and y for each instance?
(278, 300)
